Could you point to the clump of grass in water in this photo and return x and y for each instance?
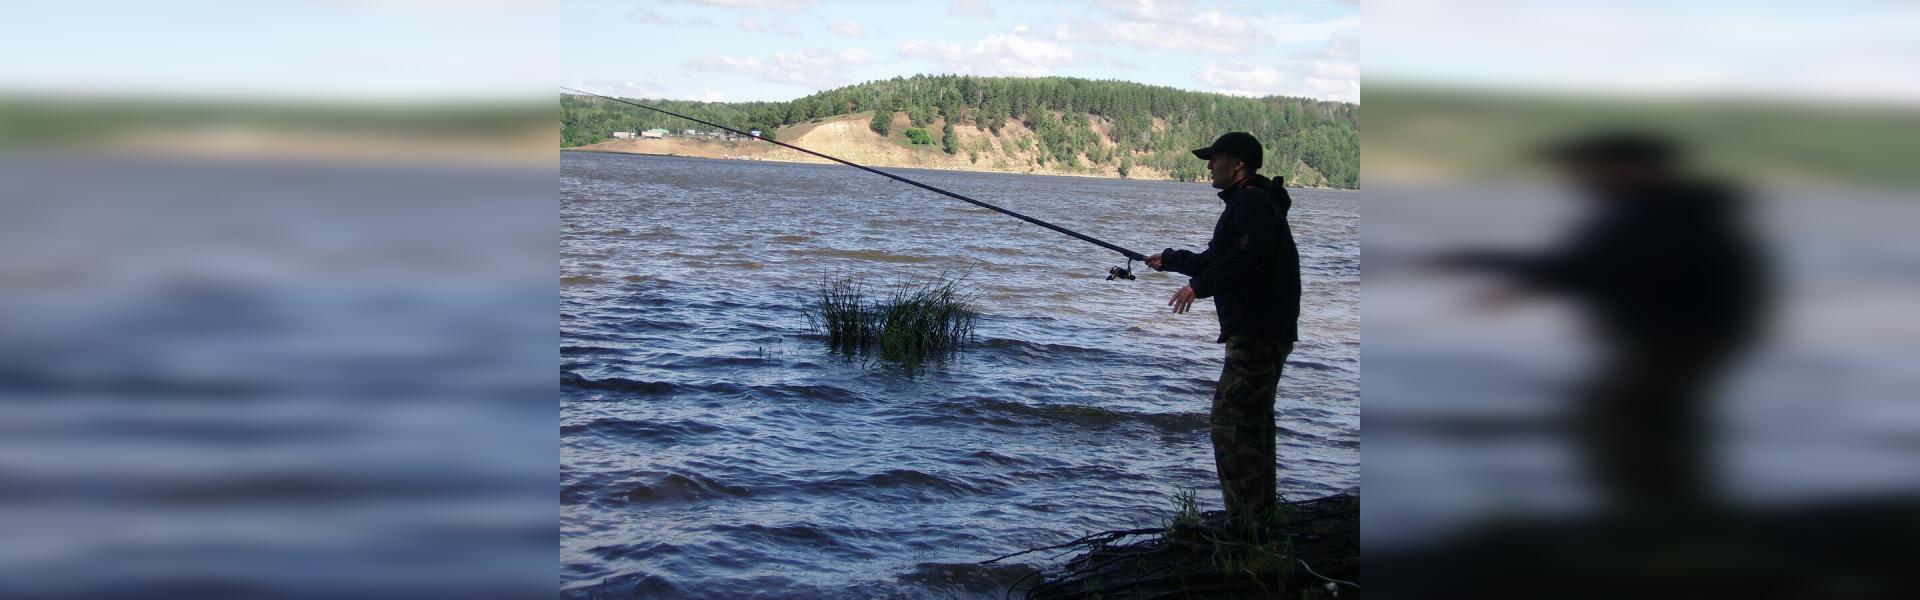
(910, 324)
(840, 310)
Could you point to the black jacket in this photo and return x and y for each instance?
(1250, 268)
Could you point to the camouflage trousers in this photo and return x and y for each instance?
(1242, 424)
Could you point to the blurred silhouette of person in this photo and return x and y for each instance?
(1672, 285)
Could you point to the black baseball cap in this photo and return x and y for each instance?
(1238, 144)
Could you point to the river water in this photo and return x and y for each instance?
(713, 447)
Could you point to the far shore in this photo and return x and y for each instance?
(928, 168)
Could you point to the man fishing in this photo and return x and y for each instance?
(1251, 269)
(1675, 288)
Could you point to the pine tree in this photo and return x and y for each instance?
(997, 114)
(949, 139)
(882, 122)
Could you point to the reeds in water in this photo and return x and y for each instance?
(909, 324)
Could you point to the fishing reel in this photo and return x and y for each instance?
(1121, 272)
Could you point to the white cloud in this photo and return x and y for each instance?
(771, 5)
(1166, 26)
(813, 68)
(1000, 54)
(1289, 30)
(779, 27)
(1175, 25)
(649, 17)
(1150, 10)
(1242, 79)
(848, 27)
(1153, 35)
(1325, 80)
(628, 89)
(645, 89)
(1342, 47)
(970, 8)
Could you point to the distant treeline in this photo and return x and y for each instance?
(1322, 135)
(58, 120)
(1470, 134)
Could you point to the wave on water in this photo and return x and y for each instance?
(620, 384)
(1050, 416)
(591, 351)
(671, 487)
(918, 486)
(820, 536)
(657, 232)
(712, 390)
(1044, 350)
(868, 255)
(662, 432)
(1310, 365)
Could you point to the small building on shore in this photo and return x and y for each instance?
(654, 133)
(622, 135)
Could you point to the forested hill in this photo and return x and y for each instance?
(1056, 124)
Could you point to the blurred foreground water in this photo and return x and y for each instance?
(275, 376)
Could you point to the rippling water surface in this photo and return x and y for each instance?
(275, 378)
(712, 446)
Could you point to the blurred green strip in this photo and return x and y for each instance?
(34, 121)
(1478, 134)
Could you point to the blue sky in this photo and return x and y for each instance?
(783, 49)
(740, 50)
(303, 49)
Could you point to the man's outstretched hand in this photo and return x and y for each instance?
(1154, 262)
(1182, 300)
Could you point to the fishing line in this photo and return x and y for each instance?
(1126, 273)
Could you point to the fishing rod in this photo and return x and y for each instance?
(1115, 272)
